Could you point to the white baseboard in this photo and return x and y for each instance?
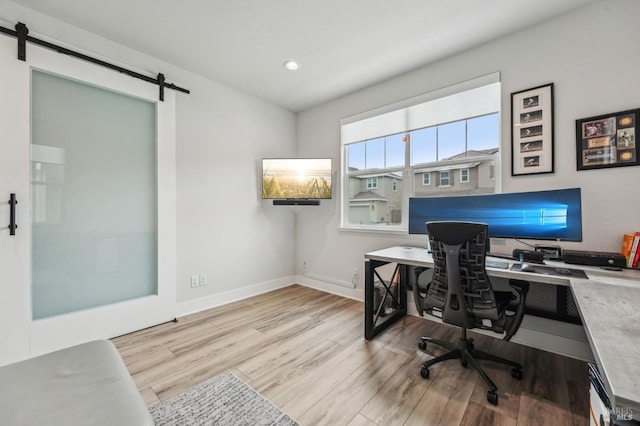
(541, 333)
(218, 299)
(332, 286)
(556, 336)
(319, 283)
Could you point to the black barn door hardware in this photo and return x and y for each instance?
(22, 34)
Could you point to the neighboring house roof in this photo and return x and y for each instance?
(473, 158)
(367, 196)
(472, 153)
(455, 166)
(378, 175)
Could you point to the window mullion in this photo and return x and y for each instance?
(437, 144)
(466, 137)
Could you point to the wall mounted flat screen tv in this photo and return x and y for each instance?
(538, 215)
(296, 178)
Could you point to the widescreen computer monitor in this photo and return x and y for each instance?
(538, 215)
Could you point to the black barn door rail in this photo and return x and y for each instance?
(22, 34)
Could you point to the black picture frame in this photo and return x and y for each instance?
(532, 131)
(608, 140)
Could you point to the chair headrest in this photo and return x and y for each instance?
(454, 233)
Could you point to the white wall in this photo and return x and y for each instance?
(246, 245)
(590, 57)
(224, 229)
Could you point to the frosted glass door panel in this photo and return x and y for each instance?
(93, 194)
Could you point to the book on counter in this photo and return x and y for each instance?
(630, 249)
(627, 242)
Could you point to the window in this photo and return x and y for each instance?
(464, 175)
(426, 178)
(389, 154)
(444, 178)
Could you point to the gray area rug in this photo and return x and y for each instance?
(222, 400)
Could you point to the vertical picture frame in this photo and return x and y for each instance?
(532, 131)
(607, 140)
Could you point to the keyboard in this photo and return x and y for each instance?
(490, 263)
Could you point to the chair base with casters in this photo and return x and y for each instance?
(461, 294)
(468, 355)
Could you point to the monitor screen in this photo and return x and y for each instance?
(539, 215)
(296, 178)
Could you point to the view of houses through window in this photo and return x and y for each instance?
(452, 158)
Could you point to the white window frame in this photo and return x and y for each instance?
(441, 178)
(372, 182)
(426, 178)
(464, 175)
(476, 97)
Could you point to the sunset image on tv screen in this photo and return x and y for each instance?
(296, 178)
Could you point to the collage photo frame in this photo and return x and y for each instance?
(532, 131)
(607, 140)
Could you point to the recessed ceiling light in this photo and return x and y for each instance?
(291, 65)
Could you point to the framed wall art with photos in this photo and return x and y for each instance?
(532, 131)
(607, 140)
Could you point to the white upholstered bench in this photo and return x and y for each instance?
(87, 384)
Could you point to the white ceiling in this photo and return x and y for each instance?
(342, 45)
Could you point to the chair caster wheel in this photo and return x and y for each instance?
(492, 397)
(516, 373)
(424, 372)
(422, 345)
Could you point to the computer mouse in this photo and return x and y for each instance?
(527, 267)
(563, 271)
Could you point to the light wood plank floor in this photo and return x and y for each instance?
(304, 350)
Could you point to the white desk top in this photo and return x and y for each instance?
(609, 305)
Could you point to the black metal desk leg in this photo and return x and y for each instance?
(368, 300)
(376, 319)
(402, 290)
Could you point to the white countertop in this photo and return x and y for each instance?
(611, 317)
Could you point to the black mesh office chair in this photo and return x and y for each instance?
(461, 294)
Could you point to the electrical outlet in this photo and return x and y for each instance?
(355, 271)
(204, 280)
(195, 281)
